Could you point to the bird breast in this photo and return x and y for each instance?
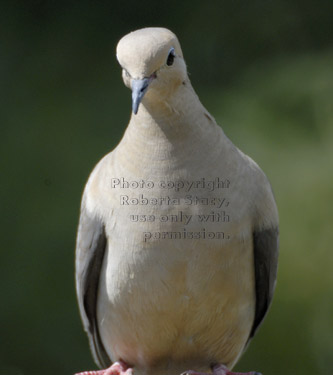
(177, 281)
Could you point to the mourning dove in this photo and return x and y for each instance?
(177, 246)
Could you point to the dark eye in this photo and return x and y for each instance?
(171, 57)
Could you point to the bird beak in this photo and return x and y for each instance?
(139, 88)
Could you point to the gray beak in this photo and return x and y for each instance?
(139, 88)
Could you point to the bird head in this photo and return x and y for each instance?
(152, 64)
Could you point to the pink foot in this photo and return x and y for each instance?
(220, 370)
(117, 368)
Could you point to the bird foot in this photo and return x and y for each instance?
(220, 370)
(117, 368)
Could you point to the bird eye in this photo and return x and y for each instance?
(127, 74)
(171, 57)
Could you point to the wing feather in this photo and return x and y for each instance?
(265, 248)
(90, 249)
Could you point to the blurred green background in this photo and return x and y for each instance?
(264, 69)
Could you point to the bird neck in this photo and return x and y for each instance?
(178, 128)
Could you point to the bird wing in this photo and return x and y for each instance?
(265, 248)
(90, 248)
